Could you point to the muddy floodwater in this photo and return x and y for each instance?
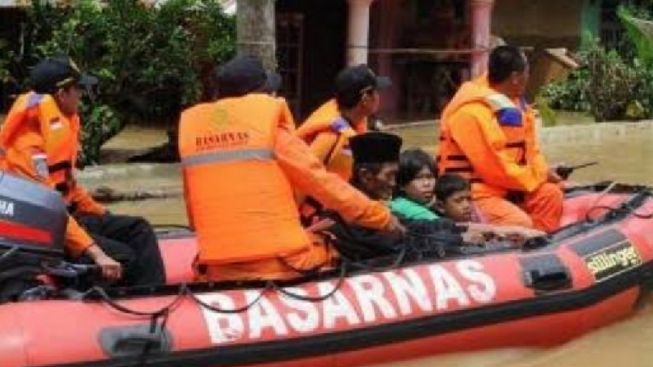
(622, 157)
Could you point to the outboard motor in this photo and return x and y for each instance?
(33, 222)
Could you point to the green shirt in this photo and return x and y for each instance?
(411, 210)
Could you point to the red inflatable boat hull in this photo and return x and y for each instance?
(592, 274)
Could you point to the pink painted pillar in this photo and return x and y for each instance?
(358, 31)
(481, 11)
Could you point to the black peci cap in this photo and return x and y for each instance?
(245, 74)
(55, 73)
(375, 147)
(352, 82)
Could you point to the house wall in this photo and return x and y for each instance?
(422, 82)
(539, 23)
(325, 35)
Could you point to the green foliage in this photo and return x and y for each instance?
(569, 94)
(16, 59)
(613, 84)
(640, 32)
(100, 121)
(607, 85)
(547, 113)
(151, 61)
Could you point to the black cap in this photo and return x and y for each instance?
(245, 74)
(353, 82)
(54, 73)
(375, 147)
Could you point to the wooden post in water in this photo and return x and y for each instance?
(256, 30)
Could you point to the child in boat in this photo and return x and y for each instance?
(454, 201)
(415, 195)
(418, 197)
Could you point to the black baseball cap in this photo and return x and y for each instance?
(353, 82)
(375, 147)
(55, 73)
(245, 74)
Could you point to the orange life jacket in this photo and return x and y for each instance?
(239, 200)
(510, 128)
(327, 120)
(37, 119)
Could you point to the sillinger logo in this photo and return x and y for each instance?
(612, 260)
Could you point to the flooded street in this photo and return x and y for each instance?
(625, 158)
(627, 343)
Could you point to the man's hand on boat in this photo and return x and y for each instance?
(553, 176)
(517, 234)
(395, 227)
(559, 173)
(110, 268)
(479, 233)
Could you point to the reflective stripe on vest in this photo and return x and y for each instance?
(34, 100)
(228, 156)
(499, 102)
(506, 112)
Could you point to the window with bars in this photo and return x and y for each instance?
(290, 49)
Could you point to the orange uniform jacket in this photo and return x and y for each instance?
(490, 139)
(327, 133)
(240, 164)
(40, 142)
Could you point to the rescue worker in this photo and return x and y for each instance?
(488, 136)
(241, 162)
(40, 140)
(328, 129)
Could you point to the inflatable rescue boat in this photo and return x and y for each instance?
(594, 271)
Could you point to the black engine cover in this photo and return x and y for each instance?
(32, 217)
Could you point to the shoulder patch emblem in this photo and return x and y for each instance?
(40, 162)
(339, 125)
(220, 119)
